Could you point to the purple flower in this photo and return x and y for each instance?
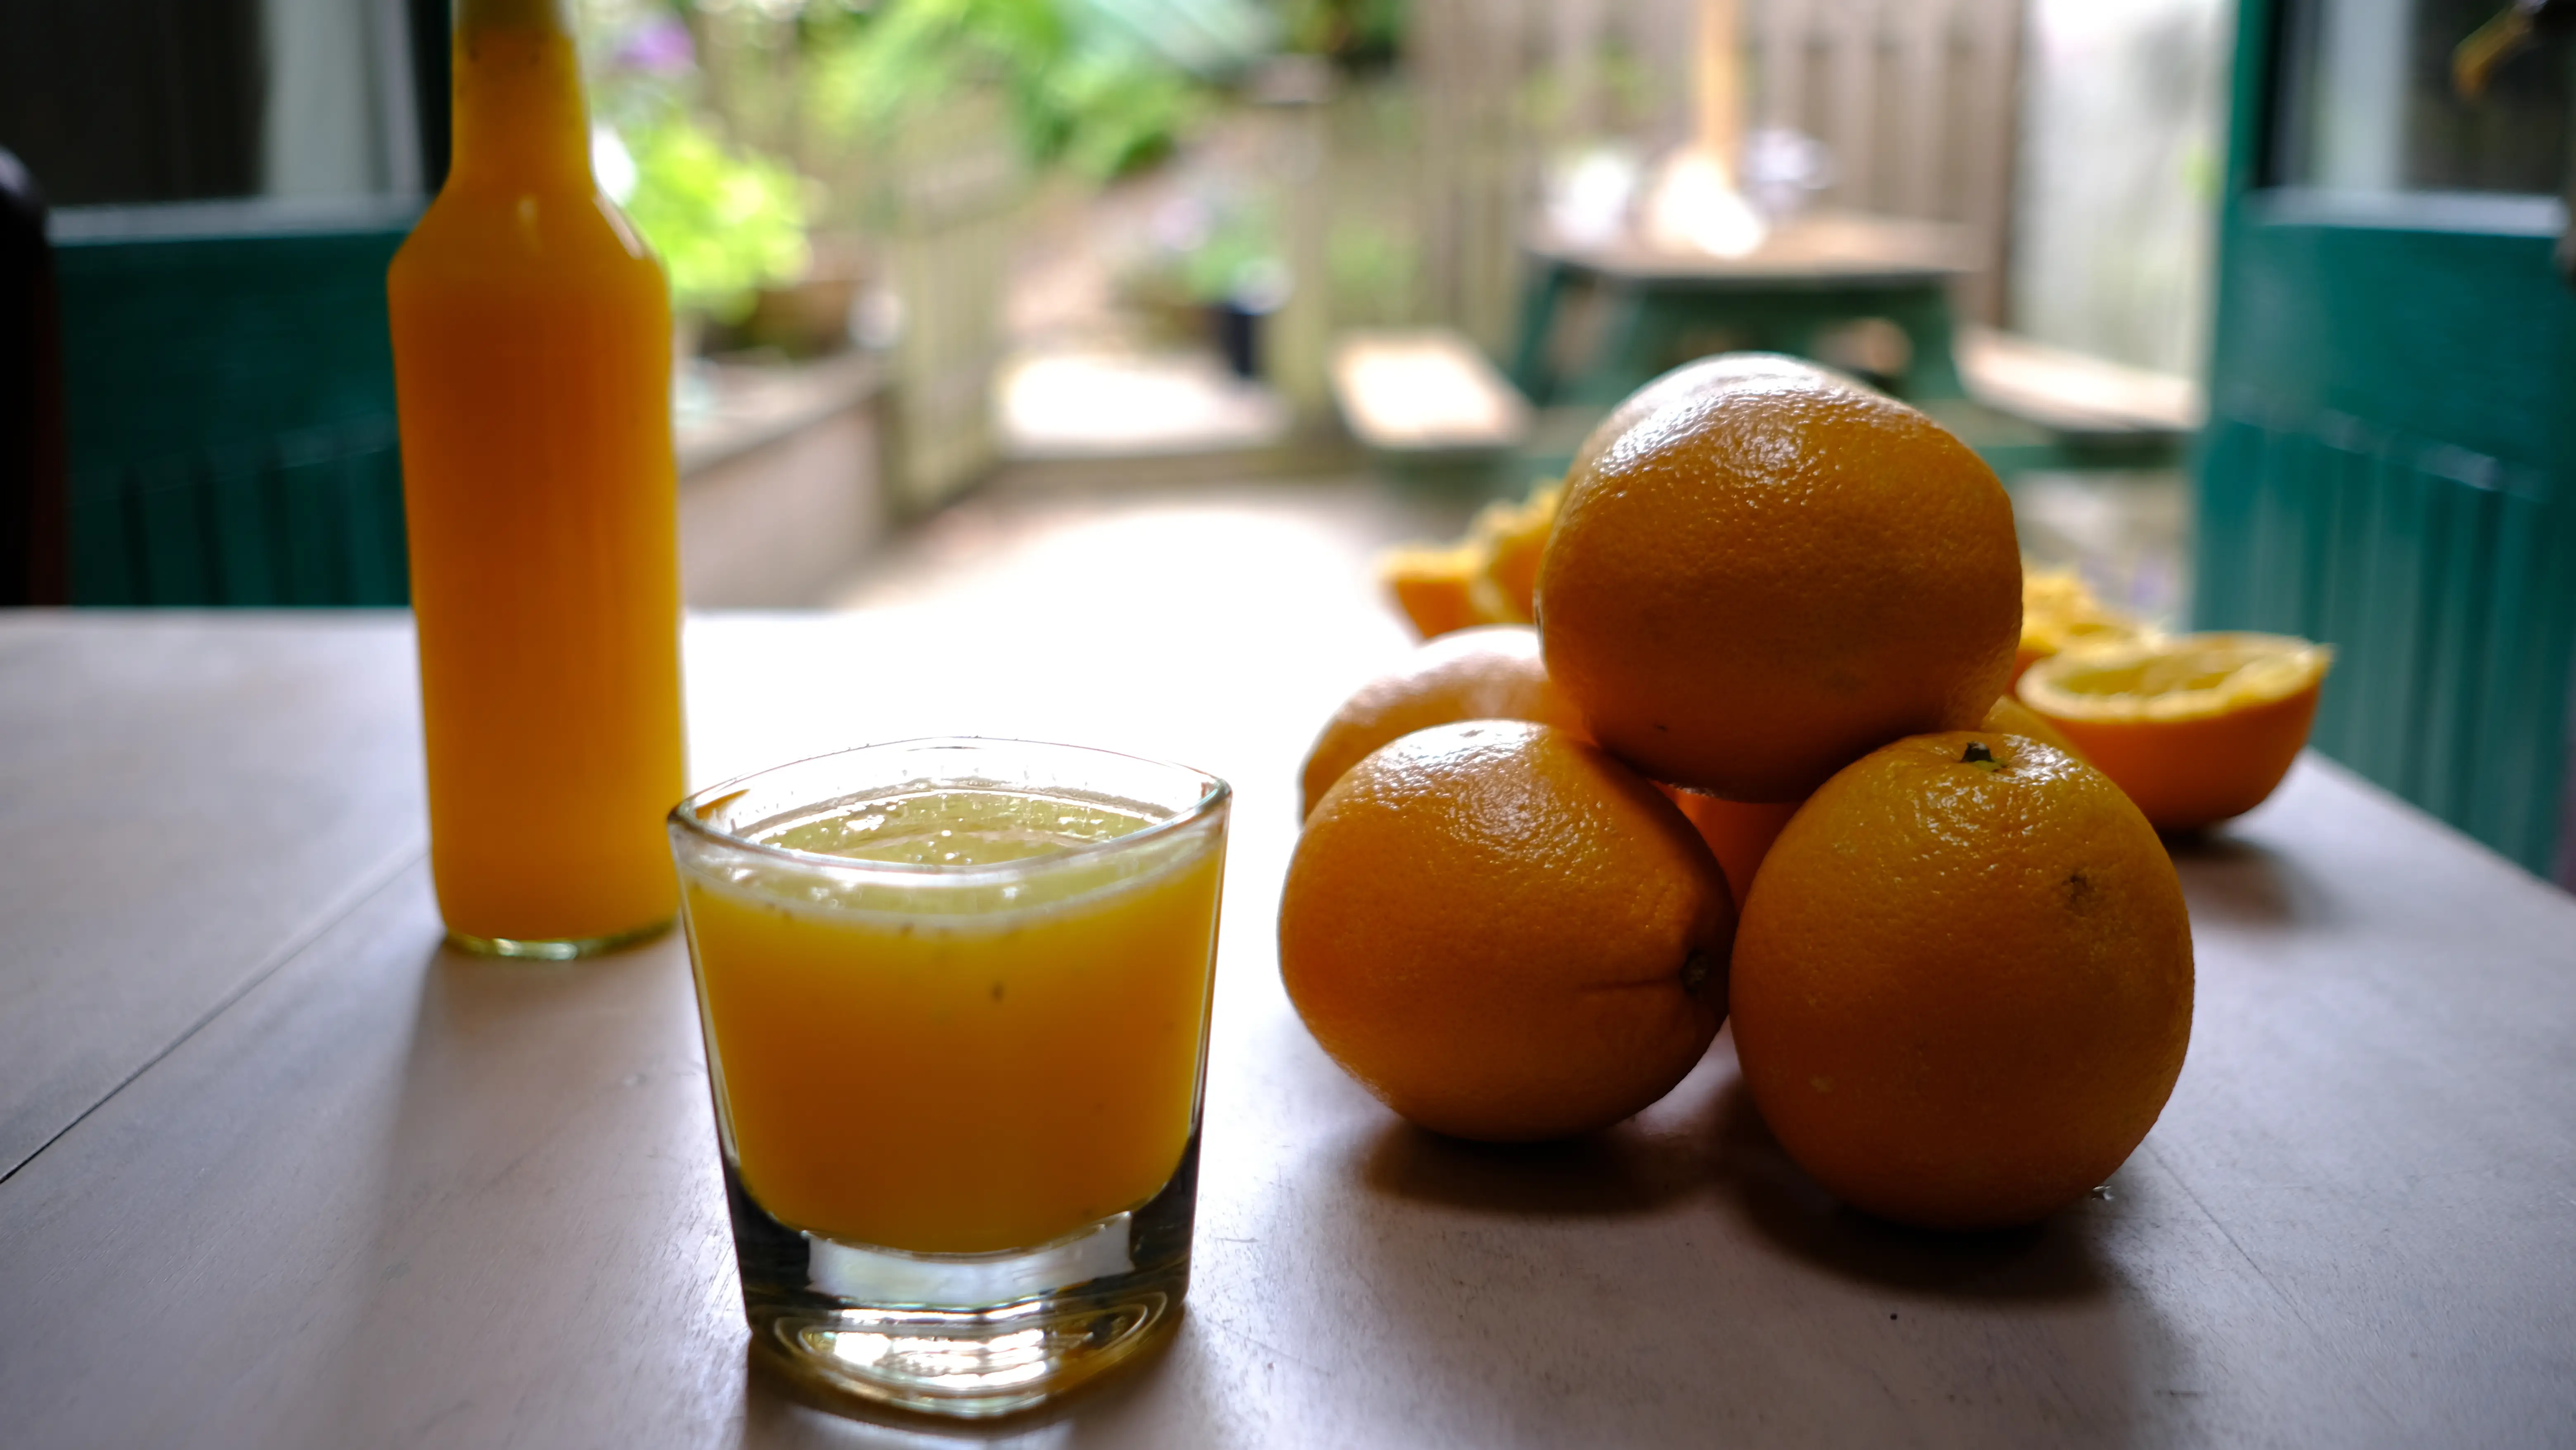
(658, 47)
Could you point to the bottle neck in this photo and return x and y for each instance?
(520, 119)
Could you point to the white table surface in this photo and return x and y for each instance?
(279, 1171)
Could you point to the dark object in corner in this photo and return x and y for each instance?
(31, 398)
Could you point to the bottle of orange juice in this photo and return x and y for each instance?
(532, 371)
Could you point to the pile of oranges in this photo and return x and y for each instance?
(1755, 757)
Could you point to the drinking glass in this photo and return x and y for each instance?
(955, 998)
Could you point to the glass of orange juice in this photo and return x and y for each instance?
(955, 996)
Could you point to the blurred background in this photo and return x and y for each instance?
(2252, 303)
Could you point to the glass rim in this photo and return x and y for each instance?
(1214, 794)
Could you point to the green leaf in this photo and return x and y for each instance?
(726, 222)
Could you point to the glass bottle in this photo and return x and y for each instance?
(532, 371)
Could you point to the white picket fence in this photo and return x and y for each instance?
(956, 184)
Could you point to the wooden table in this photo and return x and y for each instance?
(1809, 277)
(282, 1172)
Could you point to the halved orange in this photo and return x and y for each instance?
(1515, 536)
(1489, 577)
(1440, 588)
(2059, 612)
(2196, 727)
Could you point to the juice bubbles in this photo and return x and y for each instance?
(950, 1061)
(532, 370)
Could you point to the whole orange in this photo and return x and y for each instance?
(2011, 717)
(1505, 934)
(1962, 989)
(1682, 382)
(1774, 573)
(1489, 673)
(1739, 833)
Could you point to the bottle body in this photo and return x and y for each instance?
(532, 358)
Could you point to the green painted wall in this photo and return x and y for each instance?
(2388, 468)
(230, 414)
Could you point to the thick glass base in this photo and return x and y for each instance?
(966, 1335)
(554, 950)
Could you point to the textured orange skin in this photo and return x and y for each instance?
(2186, 774)
(1765, 579)
(1962, 996)
(1739, 833)
(1504, 934)
(1488, 673)
(1681, 383)
(2012, 717)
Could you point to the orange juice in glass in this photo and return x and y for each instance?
(955, 997)
(532, 373)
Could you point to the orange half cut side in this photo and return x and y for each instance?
(2196, 728)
